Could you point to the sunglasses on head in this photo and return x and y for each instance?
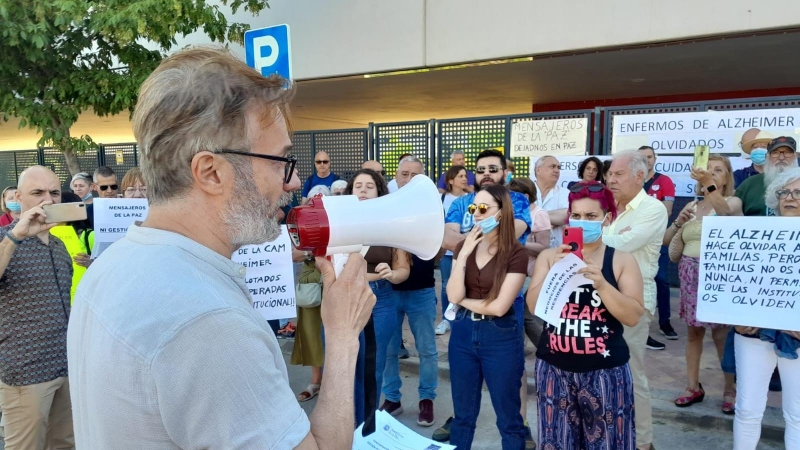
(113, 187)
(480, 170)
(581, 186)
(322, 161)
(480, 207)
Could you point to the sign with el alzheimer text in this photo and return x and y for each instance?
(551, 137)
(749, 272)
(270, 276)
(679, 133)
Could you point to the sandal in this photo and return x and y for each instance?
(695, 396)
(729, 402)
(311, 391)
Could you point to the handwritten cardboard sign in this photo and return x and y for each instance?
(562, 279)
(270, 276)
(112, 217)
(749, 272)
(554, 137)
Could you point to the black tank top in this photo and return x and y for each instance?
(588, 337)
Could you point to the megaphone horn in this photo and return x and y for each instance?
(411, 219)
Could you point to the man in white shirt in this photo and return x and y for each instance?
(638, 230)
(551, 197)
(169, 353)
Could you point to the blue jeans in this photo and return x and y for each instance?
(486, 350)
(445, 267)
(384, 316)
(420, 307)
(662, 286)
(728, 362)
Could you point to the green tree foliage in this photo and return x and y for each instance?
(60, 58)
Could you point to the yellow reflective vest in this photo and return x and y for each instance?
(75, 244)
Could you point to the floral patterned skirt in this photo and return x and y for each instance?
(689, 272)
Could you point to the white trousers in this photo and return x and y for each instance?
(755, 362)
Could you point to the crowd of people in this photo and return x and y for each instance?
(157, 345)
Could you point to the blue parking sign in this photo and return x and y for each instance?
(268, 50)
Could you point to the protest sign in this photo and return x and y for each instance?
(270, 276)
(554, 137)
(679, 133)
(562, 279)
(749, 272)
(677, 168)
(112, 217)
(392, 435)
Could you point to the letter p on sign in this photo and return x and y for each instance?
(268, 50)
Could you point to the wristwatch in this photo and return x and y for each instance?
(711, 188)
(13, 238)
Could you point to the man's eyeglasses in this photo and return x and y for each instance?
(322, 161)
(113, 187)
(783, 194)
(577, 187)
(492, 169)
(287, 170)
(132, 190)
(480, 207)
(783, 154)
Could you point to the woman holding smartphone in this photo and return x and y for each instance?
(489, 269)
(583, 380)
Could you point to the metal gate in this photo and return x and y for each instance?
(392, 140)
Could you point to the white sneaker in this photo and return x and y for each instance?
(443, 327)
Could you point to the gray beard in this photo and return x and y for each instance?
(771, 172)
(249, 217)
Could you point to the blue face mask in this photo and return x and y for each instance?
(88, 196)
(488, 224)
(592, 229)
(14, 207)
(758, 156)
(509, 177)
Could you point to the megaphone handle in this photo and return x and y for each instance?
(340, 259)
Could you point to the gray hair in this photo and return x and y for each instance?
(409, 159)
(81, 176)
(319, 189)
(636, 162)
(102, 171)
(200, 99)
(457, 152)
(540, 162)
(338, 185)
(786, 177)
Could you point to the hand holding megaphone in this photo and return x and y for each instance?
(347, 299)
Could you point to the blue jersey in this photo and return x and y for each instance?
(459, 214)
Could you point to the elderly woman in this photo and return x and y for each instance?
(9, 206)
(81, 185)
(683, 238)
(759, 351)
(133, 185)
(338, 187)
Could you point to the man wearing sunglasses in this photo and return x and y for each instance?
(322, 175)
(490, 168)
(105, 182)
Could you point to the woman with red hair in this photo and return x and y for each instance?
(583, 380)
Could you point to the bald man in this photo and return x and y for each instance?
(322, 175)
(373, 165)
(35, 282)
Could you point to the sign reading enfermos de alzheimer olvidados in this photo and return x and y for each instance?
(554, 137)
(749, 272)
(679, 133)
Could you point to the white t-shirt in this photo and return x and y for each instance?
(557, 198)
(170, 354)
